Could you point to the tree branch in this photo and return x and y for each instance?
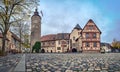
(2, 17)
(1, 28)
(2, 8)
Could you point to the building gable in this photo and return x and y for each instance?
(91, 27)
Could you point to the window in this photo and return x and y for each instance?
(95, 44)
(87, 44)
(58, 48)
(59, 42)
(43, 43)
(73, 38)
(87, 35)
(91, 27)
(94, 35)
(53, 43)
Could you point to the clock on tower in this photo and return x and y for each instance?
(35, 28)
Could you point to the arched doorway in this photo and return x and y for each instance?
(51, 51)
(42, 51)
(74, 50)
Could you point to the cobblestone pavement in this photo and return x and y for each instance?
(75, 62)
(9, 62)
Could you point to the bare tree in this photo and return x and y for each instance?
(23, 31)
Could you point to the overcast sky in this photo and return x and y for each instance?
(62, 16)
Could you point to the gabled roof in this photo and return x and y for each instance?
(105, 44)
(78, 27)
(91, 21)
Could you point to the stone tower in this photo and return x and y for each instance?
(35, 28)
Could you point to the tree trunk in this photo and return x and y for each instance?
(3, 43)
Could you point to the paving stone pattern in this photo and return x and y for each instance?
(9, 62)
(74, 62)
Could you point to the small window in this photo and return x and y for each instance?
(87, 35)
(43, 43)
(91, 27)
(87, 44)
(58, 48)
(94, 35)
(73, 38)
(95, 44)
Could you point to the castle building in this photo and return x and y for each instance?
(74, 35)
(80, 40)
(62, 42)
(48, 43)
(35, 28)
(55, 42)
(86, 39)
(91, 37)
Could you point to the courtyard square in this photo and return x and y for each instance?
(73, 62)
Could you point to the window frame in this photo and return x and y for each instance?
(58, 48)
(94, 35)
(87, 44)
(87, 35)
(95, 44)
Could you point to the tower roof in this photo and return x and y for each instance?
(78, 27)
(36, 12)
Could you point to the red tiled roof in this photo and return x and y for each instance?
(48, 37)
(55, 37)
